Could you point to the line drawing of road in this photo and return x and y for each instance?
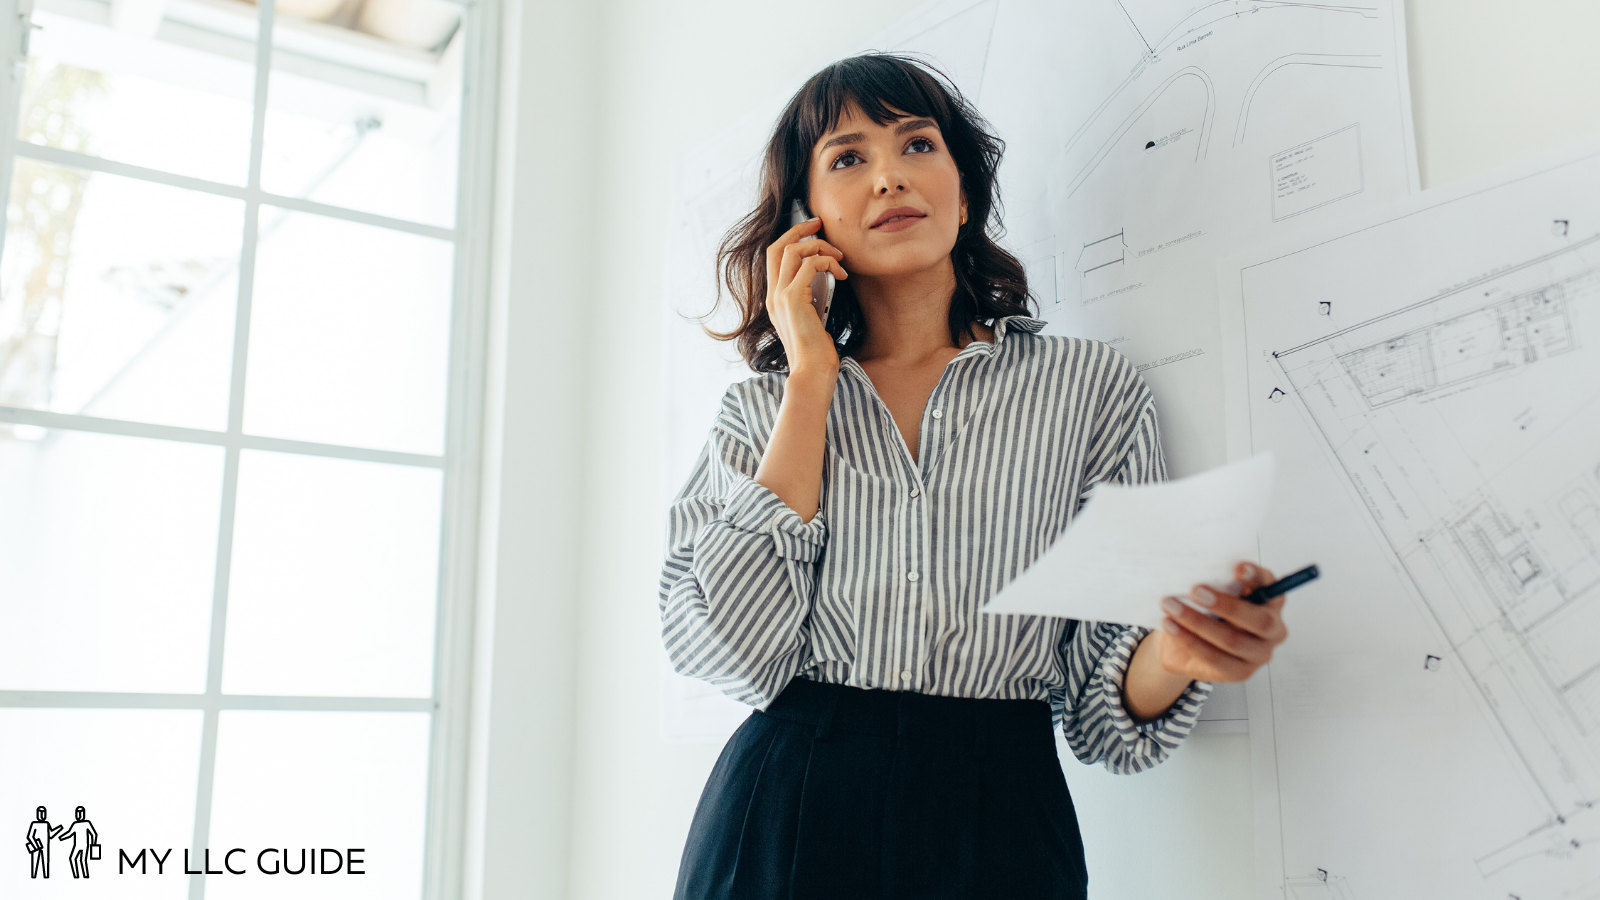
(1127, 123)
(1239, 8)
(1331, 60)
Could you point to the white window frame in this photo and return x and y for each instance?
(457, 589)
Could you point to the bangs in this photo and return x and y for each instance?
(880, 84)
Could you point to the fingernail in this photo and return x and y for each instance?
(1171, 606)
(813, 218)
(1203, 596)
(1170, 626)
(1249, 571)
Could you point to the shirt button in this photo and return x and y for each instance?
(938, 414)
(915, 492)
(906, 675)
(911, 576)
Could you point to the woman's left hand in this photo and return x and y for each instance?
(1232, 647)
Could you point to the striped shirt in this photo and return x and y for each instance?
(884, 587)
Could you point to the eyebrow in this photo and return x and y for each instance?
(902, 128)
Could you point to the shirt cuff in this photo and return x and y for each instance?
(1168, 729)
(752, 506)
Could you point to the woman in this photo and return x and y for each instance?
(860, 499)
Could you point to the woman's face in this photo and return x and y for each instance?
(862, 170)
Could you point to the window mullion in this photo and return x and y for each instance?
(230, 470)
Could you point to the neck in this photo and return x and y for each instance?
(908, 316)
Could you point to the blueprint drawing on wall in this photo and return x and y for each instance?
(1431, 381)
(1144, 138)
(1148, 138)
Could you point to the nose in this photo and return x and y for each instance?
(887, 176)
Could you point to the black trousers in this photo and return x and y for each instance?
(849, 794)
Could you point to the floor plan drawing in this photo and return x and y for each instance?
(1489, 339)
(1510, 581)
(1452, 428)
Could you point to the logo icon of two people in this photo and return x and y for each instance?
(85, 843)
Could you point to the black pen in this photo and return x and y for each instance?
(1282, 586)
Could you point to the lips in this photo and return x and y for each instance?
(899, 212)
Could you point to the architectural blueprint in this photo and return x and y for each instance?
(1144, 138)
(1429, 381)
(1147, 137)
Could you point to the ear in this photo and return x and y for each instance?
(963, 207)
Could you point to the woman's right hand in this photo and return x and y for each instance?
(791, 264)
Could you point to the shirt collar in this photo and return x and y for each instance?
(1026, 323)
(1001, 327)
(1004, 324)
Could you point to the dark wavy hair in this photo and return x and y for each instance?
(990, 283)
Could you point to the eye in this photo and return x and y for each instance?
(845, 155)
(922, 140)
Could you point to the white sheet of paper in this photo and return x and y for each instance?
(1132, 545)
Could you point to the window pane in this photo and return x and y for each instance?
(178, 101)
(349, 335)
(118, 297)
(109, 556)
(322, 779)
(334, 578)
(363, 106)
(133, 771)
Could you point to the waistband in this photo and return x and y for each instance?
(973, 724)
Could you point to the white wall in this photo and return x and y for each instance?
(1494, 81)
(519, 792)
(1491, 81)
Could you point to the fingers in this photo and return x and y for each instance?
(791, 257)
(795, 237)
(797, 249)
(1264, 621)
(1184, 651)
(827, 262)
(1237, 643)
(1252, 576)
(797, 287)
(801, 229)
(792, 254)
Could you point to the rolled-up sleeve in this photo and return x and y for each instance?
(736, 586)
(1090, 710)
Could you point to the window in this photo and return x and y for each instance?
(237, 420)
